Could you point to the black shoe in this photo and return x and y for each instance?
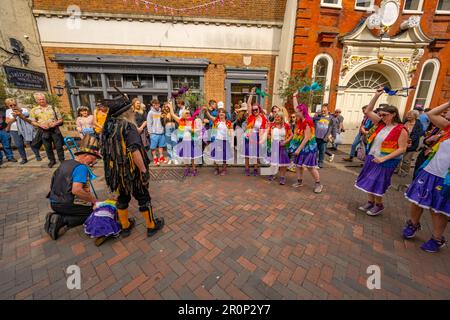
(39, 159)
(47, 221)
(1, 162)
(23, 161)
(159, 222)
(126, 232)
(12, 160)
(51, 164)
(56, 226)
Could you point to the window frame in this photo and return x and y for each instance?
(434, 76)
(409, 11)
(338, 5)
(372, 3)
(329, 74)
(443, 12)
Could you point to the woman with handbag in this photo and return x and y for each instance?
(48, 119)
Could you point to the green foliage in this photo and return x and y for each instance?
(292, 83)
(194, 100)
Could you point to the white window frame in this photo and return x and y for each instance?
(364, 8)
(441, 11)
(437, 66)
(418, 11)
(327, 88)
(331, 5)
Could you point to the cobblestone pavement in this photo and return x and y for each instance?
(231, 237)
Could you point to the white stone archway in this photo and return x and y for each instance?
(351, 99)
(395, 58)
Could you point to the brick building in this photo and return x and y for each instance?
(332, 38)
(150, 48)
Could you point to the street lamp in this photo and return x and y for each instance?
(71, 90)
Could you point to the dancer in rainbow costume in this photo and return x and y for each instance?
(387, 142)
(304, 146)
(431, 188)
(222, 140)
(278, 140)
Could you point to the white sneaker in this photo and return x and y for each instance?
(169, 162)
(332, 158)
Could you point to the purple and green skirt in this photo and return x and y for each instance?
(221, 151)
(426, 192)
(374, 178)
(102, 223)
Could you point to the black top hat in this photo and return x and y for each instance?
(117, 105)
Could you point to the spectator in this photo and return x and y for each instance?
(273, 112)
(48, 119)
(5, 138)
(156, 131)
(338, 128)
(364, 128)
(423, 117)
(100, 114)
(85, 122)
(140, 116)
(323, 126)
(169, 125)
(415, 131)
(20, 130)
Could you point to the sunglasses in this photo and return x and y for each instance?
(382, 114)
(254, 110)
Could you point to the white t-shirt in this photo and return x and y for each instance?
(9, 114)
(278, 134)
(222, 131)
(257, 126)
(187, 134)
(375, 150)
(440, 163)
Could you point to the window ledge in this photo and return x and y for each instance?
(412, 12)
(333, 6)
(364, 9)
(447, 12)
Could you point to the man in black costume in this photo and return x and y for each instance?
(127, 165)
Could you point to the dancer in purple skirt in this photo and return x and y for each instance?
(304, 147)
(431, 188)
(255, 135)
(189, 146)
(387, 142)
(280, 135)
(222, 139)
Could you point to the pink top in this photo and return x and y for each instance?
(85, 122)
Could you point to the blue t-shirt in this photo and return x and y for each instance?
(425, 121)
(80, 174)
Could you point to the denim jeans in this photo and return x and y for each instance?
(355, 145)
(322, 146)
(20, 144)
(5, 141)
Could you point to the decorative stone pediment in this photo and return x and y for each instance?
(404, 49)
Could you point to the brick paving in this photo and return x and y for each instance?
(230, 237)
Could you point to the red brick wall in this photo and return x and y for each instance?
(272, 10)
(214, 74)
(312, 19)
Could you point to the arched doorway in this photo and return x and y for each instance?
(360, 86)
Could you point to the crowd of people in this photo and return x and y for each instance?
(131, 137)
